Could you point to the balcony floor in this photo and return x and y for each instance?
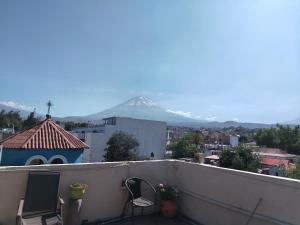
(154, 220)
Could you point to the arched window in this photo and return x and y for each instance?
(36, 160)
(57, 159)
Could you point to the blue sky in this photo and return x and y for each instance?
(217, 59)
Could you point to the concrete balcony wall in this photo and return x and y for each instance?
(104, 197)
(218, 196)
(211, 195)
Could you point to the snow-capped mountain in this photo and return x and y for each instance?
(145, 108)
(141, 108)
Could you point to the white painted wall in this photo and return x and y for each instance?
(104, 197)
(151, 136)
(219, 196)
(207, 194)
(233, 141)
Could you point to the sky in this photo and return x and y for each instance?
(210, 59)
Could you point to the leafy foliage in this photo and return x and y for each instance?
(187, 146)
(72, 125)
(283, 137)
(121, 147)
(11, 119)
(30, 121)
(239, 158)
(167, 192)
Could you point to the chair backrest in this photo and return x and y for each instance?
(41, 193)
(134, 187)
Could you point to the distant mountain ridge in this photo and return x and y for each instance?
(144, 108)
(294, 122)
(139, 108)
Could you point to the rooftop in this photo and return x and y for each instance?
(277, 155)
(270, 150)
(45, 135)
(275, 162)
(207, 195)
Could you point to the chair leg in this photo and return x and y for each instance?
(132, 210)
(142, 211)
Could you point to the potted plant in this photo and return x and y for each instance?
(168, 199)
(77, 190)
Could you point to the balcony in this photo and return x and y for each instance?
(207, 195)
(153, 219)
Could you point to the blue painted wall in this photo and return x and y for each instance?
(18, 157)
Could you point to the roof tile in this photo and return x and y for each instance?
(45, 135)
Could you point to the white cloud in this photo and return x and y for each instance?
(181, 113)
(236, 119)
(211, 118)
(16, 105)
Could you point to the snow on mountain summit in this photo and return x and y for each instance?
(141, 108)
(141, 101)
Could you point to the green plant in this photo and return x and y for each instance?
(167, 192)
(77, 190)
(239, 158)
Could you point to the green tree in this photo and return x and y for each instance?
(239, 158)
(187, 146)
(121, 147)
(283, 137)
(195, 138)
(11, 119)
(30, 121)
(71, 125)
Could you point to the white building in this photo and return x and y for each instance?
(234, 140)
(151, 136)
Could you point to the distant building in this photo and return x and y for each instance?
(275, 153)
(151, 136)
(42, 144)
(212, 159)
(175, 133)
(272, 166)
(233, 140)
(274, 159)
(6, 132)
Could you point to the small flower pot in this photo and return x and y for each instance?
(76, 191)
(168, 208)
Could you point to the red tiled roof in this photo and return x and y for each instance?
(275, 162)
(45, 135)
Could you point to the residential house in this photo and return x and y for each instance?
(274, 159)
(151, 136)
(45, 143)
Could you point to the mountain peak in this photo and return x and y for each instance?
(141, 101)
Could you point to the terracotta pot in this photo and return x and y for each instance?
(168, 208)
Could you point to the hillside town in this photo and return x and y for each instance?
(42, 141)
